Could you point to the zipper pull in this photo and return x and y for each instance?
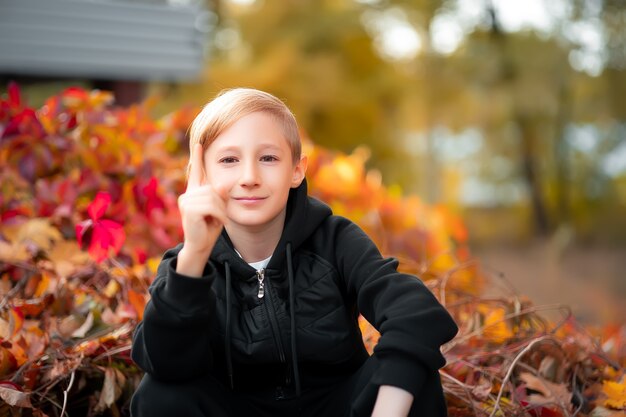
(260, 275)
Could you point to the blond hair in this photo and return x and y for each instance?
(230, 105)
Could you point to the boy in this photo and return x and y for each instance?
(256, 312)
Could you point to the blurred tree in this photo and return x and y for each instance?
(447, 93)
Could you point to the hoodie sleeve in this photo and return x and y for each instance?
(172, 341)
(412, 323)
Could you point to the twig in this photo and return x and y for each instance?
(69, 387)
(466, 390)
(20, 284)
(112, 352)
(519, 356)
(444, 281)
(520, 313)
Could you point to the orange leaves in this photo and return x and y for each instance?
(138, 301)
(494, 325)
(370, 335)
(343, 179)
(433, 237)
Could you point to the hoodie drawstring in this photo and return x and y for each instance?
(292, 314)
(227, 341)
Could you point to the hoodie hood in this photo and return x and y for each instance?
(304, 215)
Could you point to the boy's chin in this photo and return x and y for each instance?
(251, 221)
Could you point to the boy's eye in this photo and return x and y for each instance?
(228, 160)
(269, 158)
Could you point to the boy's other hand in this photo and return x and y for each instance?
(203, 213)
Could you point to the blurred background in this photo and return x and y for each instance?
(511, 113)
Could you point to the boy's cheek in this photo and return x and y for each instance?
(222, 190)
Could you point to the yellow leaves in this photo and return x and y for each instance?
(488, 323)
(495, 326)
(13, 252)
(111, 289)
(66, 257)
(37, 232)
(11, 323)
(615, 393)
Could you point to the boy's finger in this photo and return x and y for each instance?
(195, 170)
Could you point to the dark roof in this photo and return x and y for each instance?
(102, 39)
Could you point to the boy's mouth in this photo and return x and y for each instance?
(249, 199)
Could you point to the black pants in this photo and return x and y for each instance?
(206, 397)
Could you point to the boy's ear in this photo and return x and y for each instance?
(299, 172)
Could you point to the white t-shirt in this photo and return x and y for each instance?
(259, 264)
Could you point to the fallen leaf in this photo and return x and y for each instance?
(138, 301)
(85, 327)
(13, 252)
(7, 361)
(616, 394)
(547, 392)
(605, 412)
(67, 257)
(111, 389)
(14, 397)
(40, 232)
(111, 289)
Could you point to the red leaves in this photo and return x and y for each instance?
(101, 235)
(13, 102)
(147, 197)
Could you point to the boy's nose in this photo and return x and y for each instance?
(249, 175)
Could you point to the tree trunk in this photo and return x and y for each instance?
(508, 76)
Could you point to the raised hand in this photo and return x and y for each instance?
(203, 213)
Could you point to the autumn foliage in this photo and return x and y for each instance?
(88, 197)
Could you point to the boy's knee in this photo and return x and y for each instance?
(155, 398)
(192, 399)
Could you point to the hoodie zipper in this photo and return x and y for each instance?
(269, 308)
(260, 276)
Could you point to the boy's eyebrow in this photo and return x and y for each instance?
(262, 146)
(228, 149)
(270, 146)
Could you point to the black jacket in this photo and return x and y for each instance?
(326, 267)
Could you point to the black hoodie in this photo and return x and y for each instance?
(326, 267)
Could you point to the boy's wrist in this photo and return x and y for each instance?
(190, 251)
(191, 262)
(392, 401)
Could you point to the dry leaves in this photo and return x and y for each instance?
(79, 173)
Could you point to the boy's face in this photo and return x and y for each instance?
(251, 164)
